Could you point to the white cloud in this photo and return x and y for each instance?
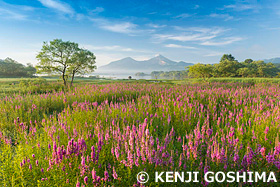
(57, 5)
(241, 7)
(98, 10)
(156, 26)
(9, 14)
(123, 27)
(215, 36)
(119, 27)
(80, 17)
(204, 30)
(226, 17)
(185, 15)
(179, 46)
(107, 48)
(225, 41)
(115, 48)
(15, 12)
(151, 13)
(196, 7)
(186, 37)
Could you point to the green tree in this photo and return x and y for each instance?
(266, 69)
(201, 71)
(248, 61)
(228, 57)
(11, 68)
(140, 74)
(243, 72)
(228, 67)
(83, 62)
(30, 70)
(64, 58)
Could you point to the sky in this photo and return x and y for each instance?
(181, 30)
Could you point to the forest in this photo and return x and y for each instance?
(230, 67)
(11, 68)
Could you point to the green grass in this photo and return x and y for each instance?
(10, 86)
(228, 80)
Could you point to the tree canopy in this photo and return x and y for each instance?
(11, 68)
(66, 59)
(201, 71)
(169, 74)
(230, 67)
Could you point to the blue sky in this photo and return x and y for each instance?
(191, 30)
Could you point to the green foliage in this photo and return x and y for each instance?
(228, 57)
(170, 74)
(229, 67)
(248, 61)
(140, 74)
(37, 85)
(204, 71)
(11, 68)
(65, 58)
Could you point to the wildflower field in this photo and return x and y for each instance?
(103, 135)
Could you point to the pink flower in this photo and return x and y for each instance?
(262, 151)
(115, 175)
(78, 184)
(86, 179)
(266, 130)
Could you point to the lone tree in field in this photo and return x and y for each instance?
(66, 59)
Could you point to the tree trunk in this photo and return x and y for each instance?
(73, 74)
(63, 76)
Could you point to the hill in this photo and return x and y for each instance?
(273, 60)
(157, 63)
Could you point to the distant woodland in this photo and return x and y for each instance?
(230, 67)
(227, 67)
(11, 68)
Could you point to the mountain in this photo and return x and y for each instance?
(273, 60)
(129, 65)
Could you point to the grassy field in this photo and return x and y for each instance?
(10, 86)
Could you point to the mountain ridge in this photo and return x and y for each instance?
(157, 63)
(275, 60)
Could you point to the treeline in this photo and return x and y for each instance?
(230, 67)
(170, 74)
(11, 68)
(140, 74)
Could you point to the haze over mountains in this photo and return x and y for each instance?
(157, 63)
(273, 60)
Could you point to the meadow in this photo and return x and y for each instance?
(104, 133)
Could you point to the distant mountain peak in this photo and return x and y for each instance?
(273, 60)
(129, 58)
(157, 63)
(158, 55)
(160, 58)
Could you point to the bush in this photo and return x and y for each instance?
(38, 85)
